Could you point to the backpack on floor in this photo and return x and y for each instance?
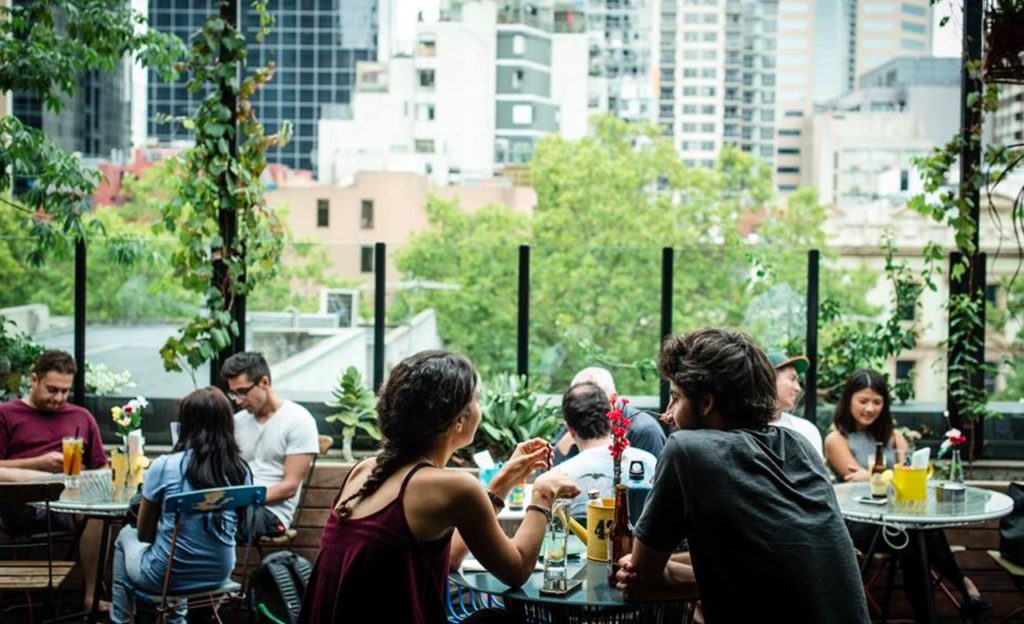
(276, 588)
(1011, 528)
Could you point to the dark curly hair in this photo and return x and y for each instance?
(860, 379)
(727, 366)
(419, 401)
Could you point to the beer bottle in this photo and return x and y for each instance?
(620, 538)
(878, 485)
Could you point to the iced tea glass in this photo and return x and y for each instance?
(73, 449)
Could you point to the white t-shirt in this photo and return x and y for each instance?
(290, 431)
(592, 469)
(804, 427)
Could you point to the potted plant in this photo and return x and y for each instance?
(512, 414)
(356, 410)
(17, 354)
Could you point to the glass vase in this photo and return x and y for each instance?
(956, 467)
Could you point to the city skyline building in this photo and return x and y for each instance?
(315, 45)
(621, 35)
(483, 85)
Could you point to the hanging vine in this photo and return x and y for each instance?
(952, 206)
(216, 177)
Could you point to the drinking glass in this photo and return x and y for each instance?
(72, 448)
(556, 543)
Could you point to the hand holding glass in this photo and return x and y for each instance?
(555, 547)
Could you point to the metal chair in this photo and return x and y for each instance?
(286, 539)
(30, 576)
(461, 603)
(214, 500)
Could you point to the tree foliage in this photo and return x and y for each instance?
(606, 206)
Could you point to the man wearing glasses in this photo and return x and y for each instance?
(276, 436)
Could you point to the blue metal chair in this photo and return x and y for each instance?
(462, 602)
(214, 500)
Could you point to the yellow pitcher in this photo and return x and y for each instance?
(600, 513)
(910, 484)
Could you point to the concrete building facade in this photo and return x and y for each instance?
(484, 84)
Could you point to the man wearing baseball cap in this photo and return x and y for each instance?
(787, 385)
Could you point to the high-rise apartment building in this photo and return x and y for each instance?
(717, 76)
(621, 35)
(747, 73)
(1008, 120)
(483, 85)
(94, 122)
(315, 45)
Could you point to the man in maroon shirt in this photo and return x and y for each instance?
(32, 430)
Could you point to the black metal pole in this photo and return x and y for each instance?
(811, 378)
(523, 328)
(972, 282)
(231, 13)
(80, 276)
(667, 278)
(379, 298)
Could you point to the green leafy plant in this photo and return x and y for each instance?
(512, 413)
(218, 176)
(17, 354)
(356, 409)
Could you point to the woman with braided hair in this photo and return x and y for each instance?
(401, 520)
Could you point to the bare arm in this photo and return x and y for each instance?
(295, 469)
(14, 475)
(47, 462)
(149, 514)
(510, 560)
(842, 461)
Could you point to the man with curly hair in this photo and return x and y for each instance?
(766, 539)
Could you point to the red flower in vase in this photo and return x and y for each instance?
(620, 427)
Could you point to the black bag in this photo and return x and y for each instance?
(1011, 528)
(276, 587)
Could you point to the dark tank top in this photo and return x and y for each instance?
(374, 569)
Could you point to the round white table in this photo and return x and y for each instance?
(979, 505)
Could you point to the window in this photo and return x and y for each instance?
(689, 109)
(905, 369)
(689, 127)
(424, 112)
(879, 7)
(906, 300)
(789, 132)
(991, 372)
(794, 113)
(789, 151)
(913, 28)
(366, 214)
(708, 72)
(366, 259)
(425, 79)
(707, 109)
(424, 146)
(522, 114)
(912, 9)
(877, 26)
(518, 45)
(426, 48)
(689, 72)
(517, 79)
(709, 55)
(912, 45)
(787, 169)
(904, 179)
(323, 212)
(707, 146)
(992, 294)
(707, 127)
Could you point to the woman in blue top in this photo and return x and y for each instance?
(206, 456)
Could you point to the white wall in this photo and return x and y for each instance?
(569, 67)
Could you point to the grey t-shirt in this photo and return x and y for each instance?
(765, 534)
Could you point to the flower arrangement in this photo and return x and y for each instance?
(620, 427)
(953, 441)
(100, 379)
(128, 417)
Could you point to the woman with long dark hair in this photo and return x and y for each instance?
(206, 456)
(402, 520)
(863, 420)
